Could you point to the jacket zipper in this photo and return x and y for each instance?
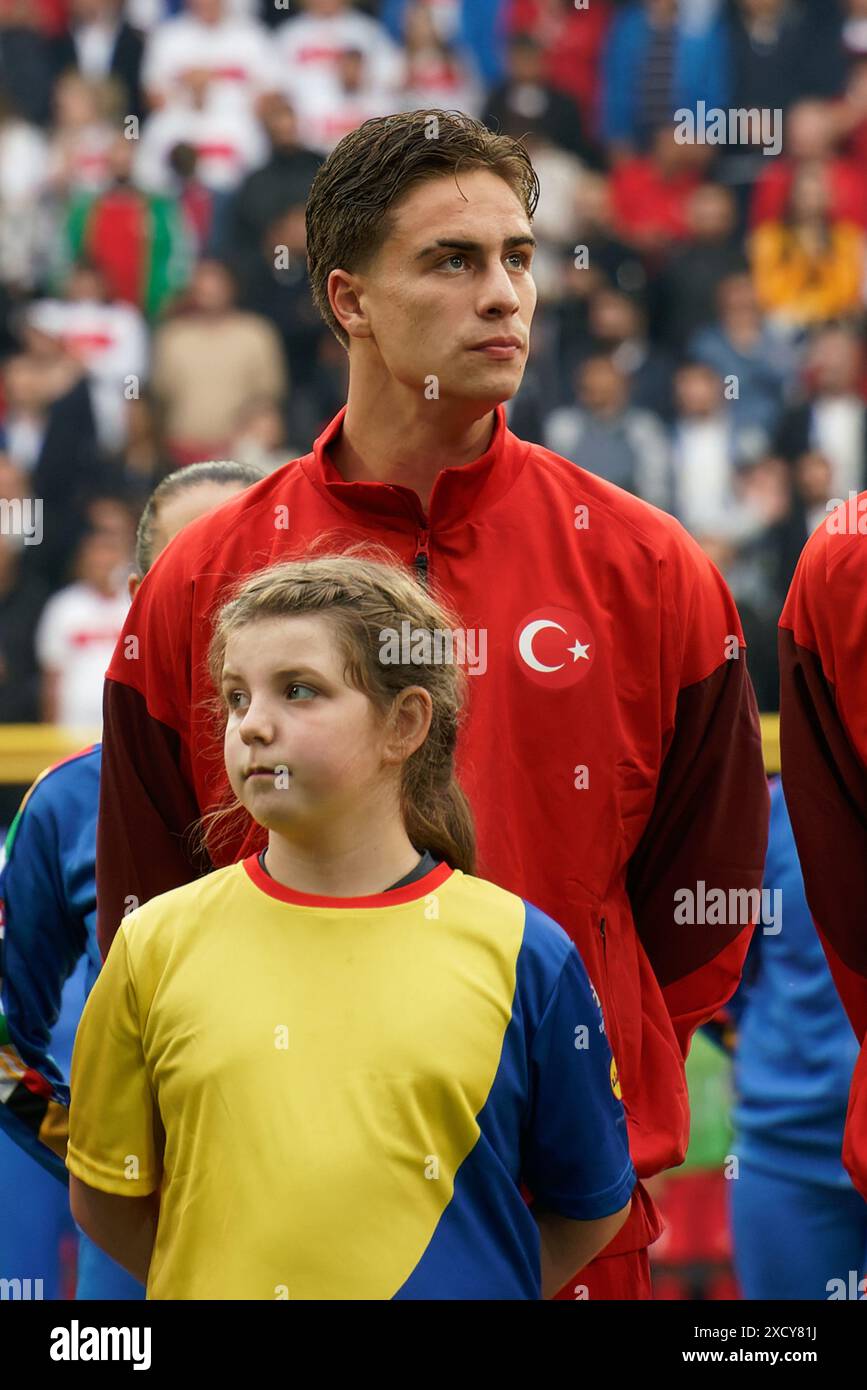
(611, 1018)
(421, 559)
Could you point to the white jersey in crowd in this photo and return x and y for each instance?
(111, 342)
(76, 637)
(237, 53)
(229, 144)
(308, 48)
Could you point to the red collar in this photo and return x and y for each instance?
(393, 897)
(457, 490)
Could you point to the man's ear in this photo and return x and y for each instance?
(344, 297)
(133, 582)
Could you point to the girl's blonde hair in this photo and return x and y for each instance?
(362, 592)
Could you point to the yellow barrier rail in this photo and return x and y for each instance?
(27, 749)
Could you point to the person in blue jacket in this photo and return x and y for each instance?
(49, 958)
(798, 1223)
(660, 58)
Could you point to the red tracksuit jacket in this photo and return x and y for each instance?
(611, 751)
(823, 745)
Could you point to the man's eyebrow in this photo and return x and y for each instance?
(455, 244)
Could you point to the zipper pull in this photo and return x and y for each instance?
(421, 560)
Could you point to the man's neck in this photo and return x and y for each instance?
(407, 445)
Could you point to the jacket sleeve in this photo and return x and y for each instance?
(708, 828)
(147, 801)
(39, 949)
(823, 746)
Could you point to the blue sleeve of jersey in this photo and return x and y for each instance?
(41, 945)
(576, 1150)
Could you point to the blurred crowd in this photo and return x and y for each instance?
(699, 338)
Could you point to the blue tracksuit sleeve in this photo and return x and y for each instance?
(40, 947)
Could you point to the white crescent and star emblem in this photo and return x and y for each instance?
(574, 646)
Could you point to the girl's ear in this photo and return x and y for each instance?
(410, 721)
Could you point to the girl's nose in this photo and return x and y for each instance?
(256, 726)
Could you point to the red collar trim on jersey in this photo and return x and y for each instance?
(422, 886)
(456, 490)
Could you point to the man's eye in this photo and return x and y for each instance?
(520, 256)
(456, 256)
(309, 689)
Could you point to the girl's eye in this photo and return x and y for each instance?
(309, 689)
(230, 698)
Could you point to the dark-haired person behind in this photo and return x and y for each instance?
(48, 897)
(613, 731)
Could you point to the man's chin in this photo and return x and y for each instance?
(486, 388)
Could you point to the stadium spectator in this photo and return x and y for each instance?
(685, 293)
(353, 94)
(617, 324)
(706, 454)
(606, 259)
(477, 27)
(23, 595)
(26, 404)
(832, 417)
(78, 631)
(808, 267)
(281, 183)
(572, 41)
(810, 136)
(310, 51)
(606, 435)
(228, 141)
(24, 182)
(780, 53)
(86, 111)
(138, 240)
(207, 43)
(108, 339)
(25, 61)
(526, 101)
(650, 194)
(208, 363)
(656, 61)
(437, 72)
(98, 43)
(756, 361)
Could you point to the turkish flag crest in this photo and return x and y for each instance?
(554, 647)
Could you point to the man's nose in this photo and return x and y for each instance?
(499, 294)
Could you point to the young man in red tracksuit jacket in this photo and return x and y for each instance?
(823, 746)
(611, 751)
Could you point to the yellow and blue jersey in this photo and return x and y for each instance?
(342, 1097)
